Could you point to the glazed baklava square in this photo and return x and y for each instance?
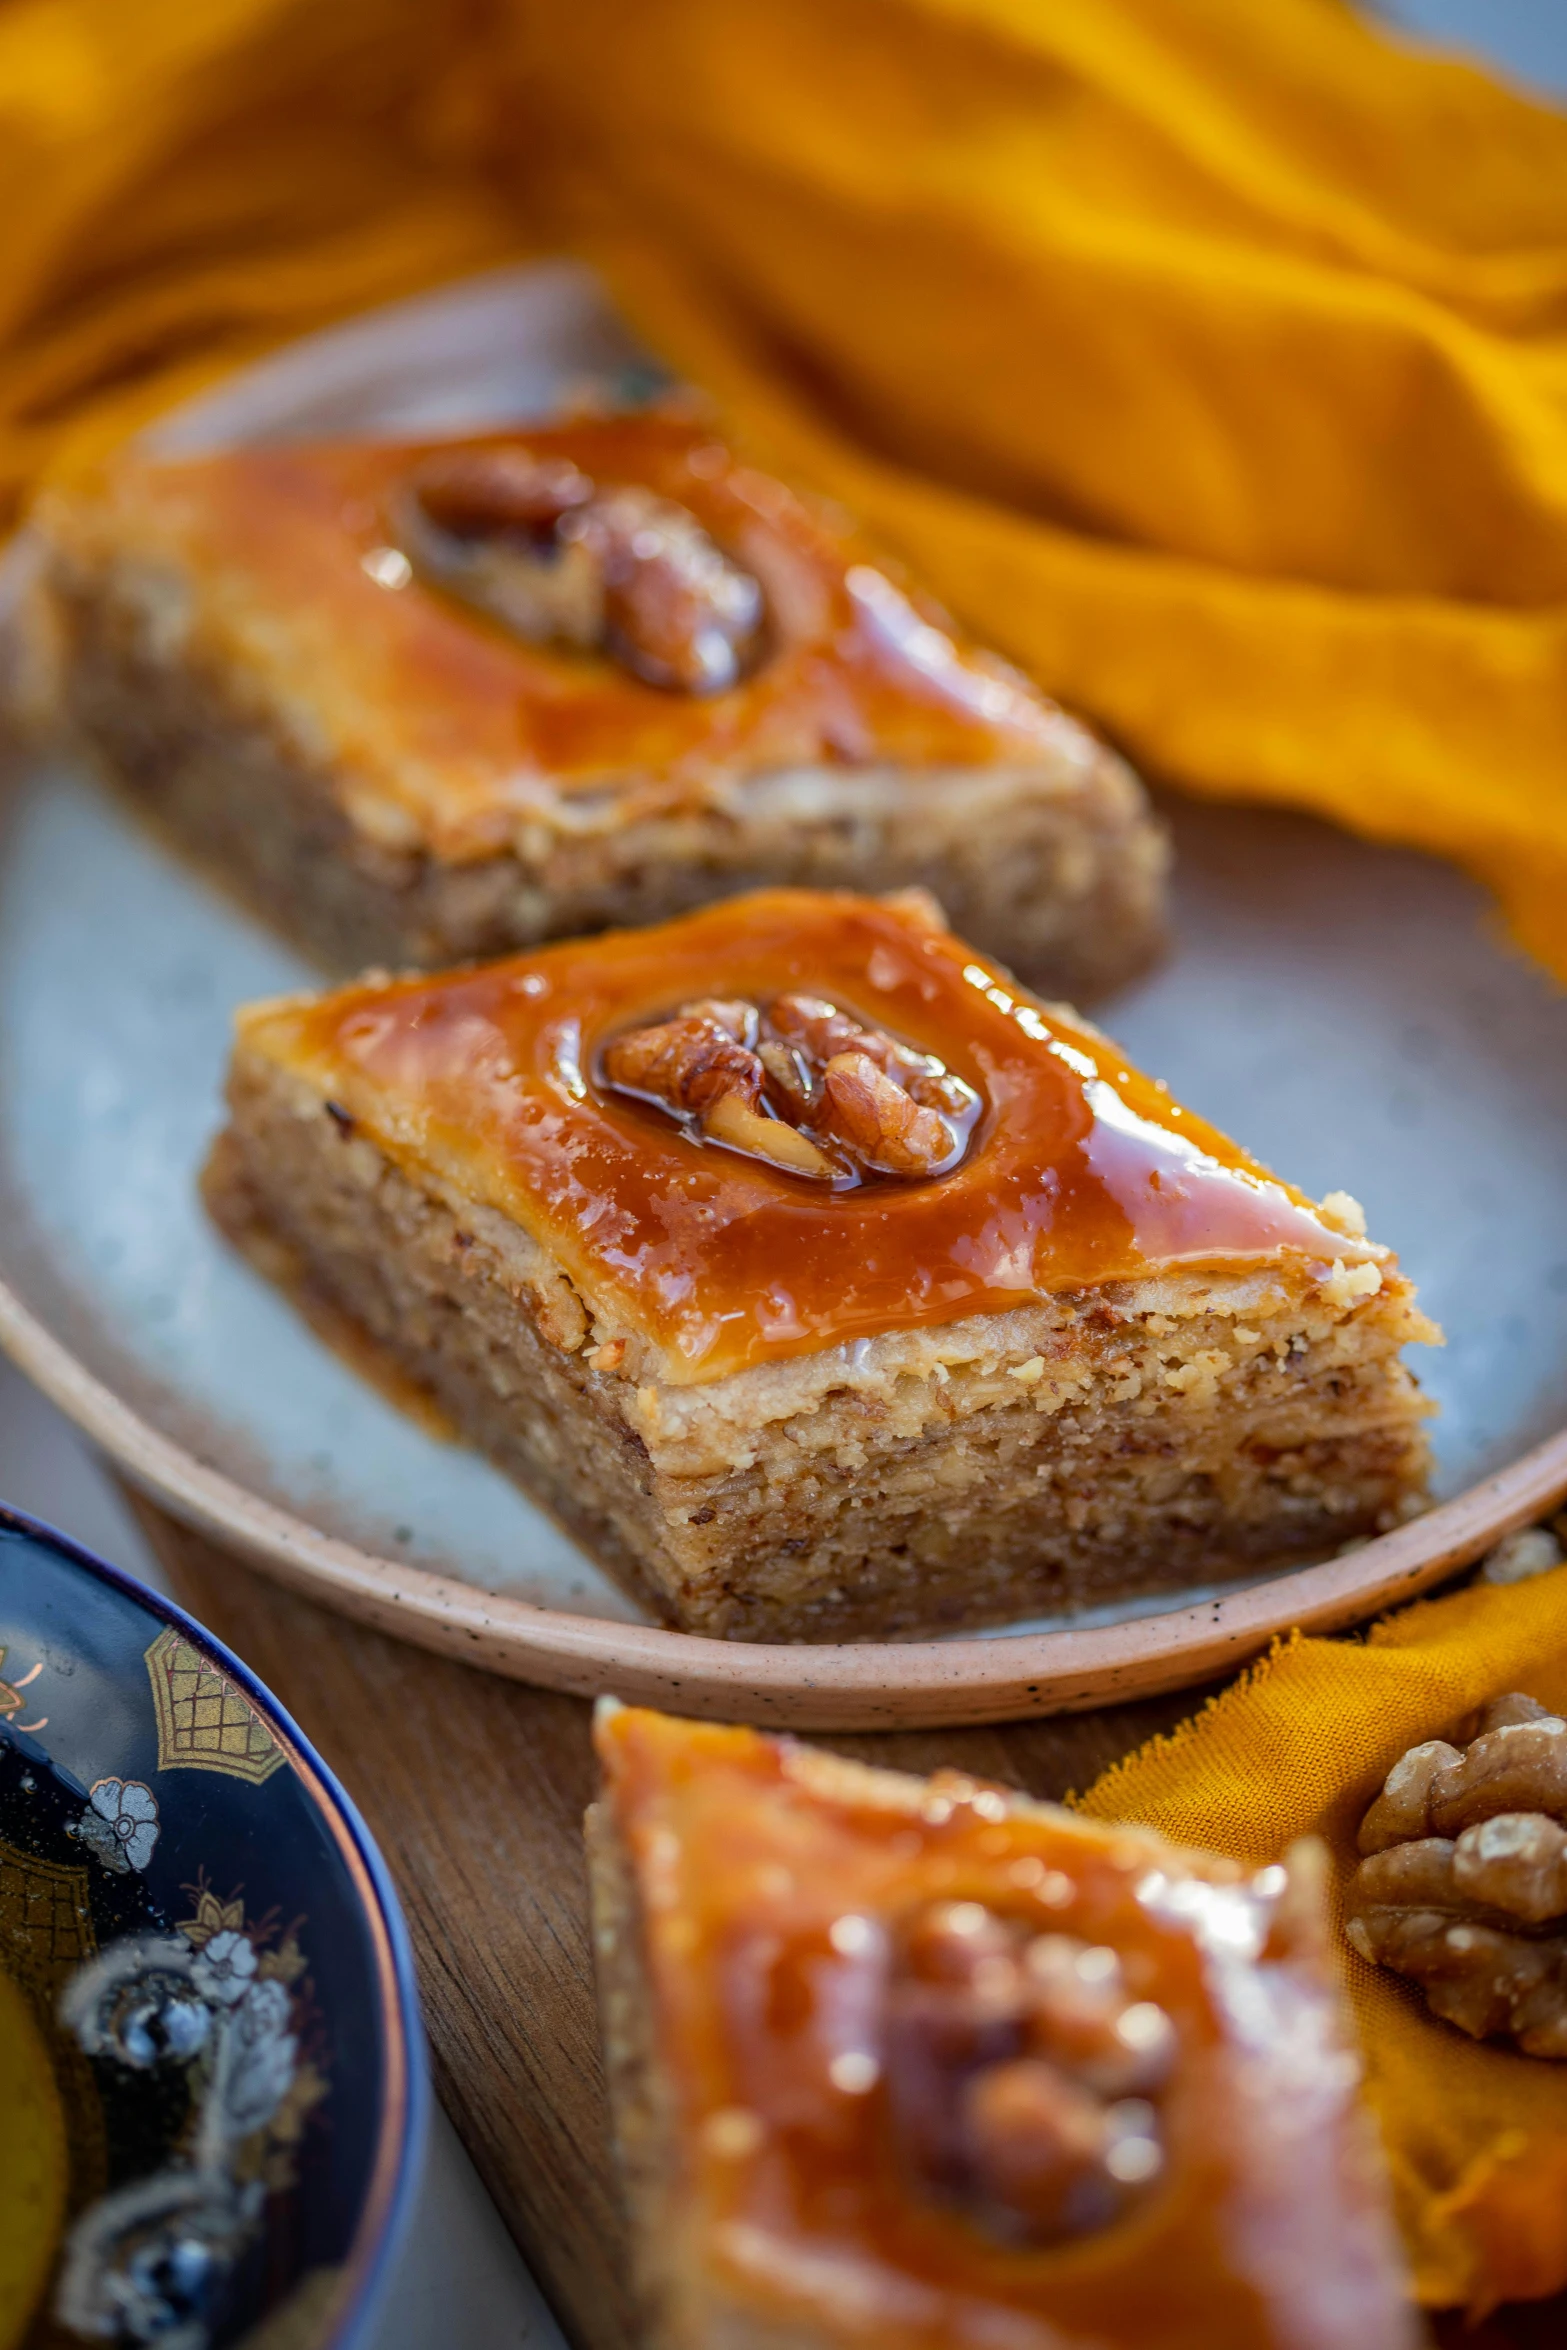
(423, 702)
(917, 2062)
(821, 1280)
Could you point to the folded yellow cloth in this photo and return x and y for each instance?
(1210, 357)
(187, 183)
(1476, 2135)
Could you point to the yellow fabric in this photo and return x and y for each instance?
(186, 183)
(1210, 357)
(1476, 2135)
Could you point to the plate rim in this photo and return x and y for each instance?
(870, 1685)
(403, 2135)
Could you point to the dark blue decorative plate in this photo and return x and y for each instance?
(212, 2083)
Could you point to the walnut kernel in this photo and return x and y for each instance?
(564, 560)
(1463, 1883)
(1021, 2073)
(802, 1084)
(1520, 1556)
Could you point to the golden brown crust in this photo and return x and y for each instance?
(279, 549)
(1058, 1454)
(645, 2142)
(1079, 1172)
(234, 654)
(1100, 1353)
(749, 1894)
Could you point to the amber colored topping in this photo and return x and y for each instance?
(696, 1065)
(677, 612)
(1078, 1173)
(878, 1123)
(537, 545)
(895, 1110)
(780, 1081)
(451, 722)
(731, 1120)
(687, 1063)
(946, 2068)
(485, 492)
(1463, 1887)
(1019, 2070)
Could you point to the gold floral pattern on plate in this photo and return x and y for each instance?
(204, 1722)
(46, 1927)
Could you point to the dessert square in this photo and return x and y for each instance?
(821, 1280)
(422, 702)
(919, 2062)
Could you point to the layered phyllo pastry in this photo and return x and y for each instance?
(825, 1283)
(424, 702)
(915, 2063)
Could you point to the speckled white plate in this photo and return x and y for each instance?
(1345, 1010)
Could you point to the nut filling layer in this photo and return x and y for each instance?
(1022, 2074)
(802, 1084)
(1463, 1887)
(561, 559)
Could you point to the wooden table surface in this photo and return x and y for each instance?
(474, 1789)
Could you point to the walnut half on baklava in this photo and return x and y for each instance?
(919, 2063)
(423, 701)
(823, 1282)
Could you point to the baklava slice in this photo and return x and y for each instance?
(422, 702)
(918, 2062)
(826, 1284)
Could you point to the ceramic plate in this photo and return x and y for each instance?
(211, 2070)
(1345, 1010)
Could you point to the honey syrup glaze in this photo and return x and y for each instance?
(1078, 1171)
(452, 724)
(780, 1896)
